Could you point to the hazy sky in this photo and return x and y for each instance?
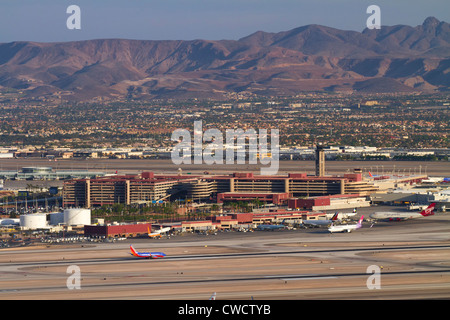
(45, 20)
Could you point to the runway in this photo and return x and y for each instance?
(413, 257)
(166, 166)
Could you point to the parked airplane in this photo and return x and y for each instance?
(157, 233)
(398, 216)
(433, 180)
(270, 227)
(147, 255)
(318, 223)
(154, 234)
(348, 215)
(346, 227)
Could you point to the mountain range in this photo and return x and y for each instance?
(396, 58)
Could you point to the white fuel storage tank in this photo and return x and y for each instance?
(56, 218)
(77, 217)
(33, 221)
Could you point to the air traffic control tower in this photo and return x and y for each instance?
(320, 161)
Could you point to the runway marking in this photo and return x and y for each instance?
(256, 278)
(216, 256)
(309, 278)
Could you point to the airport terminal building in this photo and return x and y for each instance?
(149, 187)
(47, 173)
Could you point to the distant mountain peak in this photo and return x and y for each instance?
(430, 22)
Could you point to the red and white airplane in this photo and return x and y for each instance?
(147, 255)
(398, 216)
(346, 227)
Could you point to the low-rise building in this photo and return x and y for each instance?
(119, 230)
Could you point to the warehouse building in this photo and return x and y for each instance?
(117, 231)
(332, 202)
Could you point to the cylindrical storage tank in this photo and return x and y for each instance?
(56, 218)
(76, 217)
(33, 221)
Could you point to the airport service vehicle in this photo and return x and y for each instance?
(318, 223)
(399, 216)
(147, 255)
(346, 227)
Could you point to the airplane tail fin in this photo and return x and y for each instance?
(213, 296)
(370, 174)
(334, 218)
(133, 252)
(429, 210)
(359, 224)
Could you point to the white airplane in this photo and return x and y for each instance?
(398, 216)
(346, 227)
(158, 233)
(318, 223)
(344, 215)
